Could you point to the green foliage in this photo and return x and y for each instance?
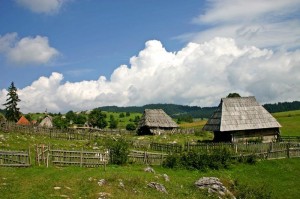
(136, 119)
(185, 118)
(2, 118)
(130, 127)
(119, 150)
(245, 191)
(59, 122)
(127, 114)
(121, 115)
(97, 119)
(12, 112)
(200, 161)
(231, 95)
(28, 117)
(113, 123)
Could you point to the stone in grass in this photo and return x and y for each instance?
(213, 185)
(101, 182)
(57, 188)
(149, 169)
(121, 184)
(158, 187)
(166, 177)
(104, 195)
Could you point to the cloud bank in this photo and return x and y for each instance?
(261, 23)
(42, 6)
(199, 74)
(27, 50)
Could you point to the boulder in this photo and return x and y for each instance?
(157, 186)
(213, 185)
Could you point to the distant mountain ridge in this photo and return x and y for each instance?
(176, 111)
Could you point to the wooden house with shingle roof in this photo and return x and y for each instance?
(241, 119)
(155, 121)
(46, 122)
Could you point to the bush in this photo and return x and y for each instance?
(119, 150)
(200, 161)
(172, 161)
(130, 127)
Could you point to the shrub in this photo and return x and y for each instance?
(119, 150)
(130, 127)
(172, 161)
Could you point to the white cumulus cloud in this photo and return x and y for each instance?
(199, 74)
(27, 50)
(42, 6)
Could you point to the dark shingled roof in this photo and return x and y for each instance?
(156, 118)
(240, 113)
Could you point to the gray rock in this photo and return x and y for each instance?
(101, 182)
(213, 185)
(166, 177)
(149, 169)
(158, 187)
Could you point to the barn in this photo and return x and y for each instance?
(156, 122)
(241, 119)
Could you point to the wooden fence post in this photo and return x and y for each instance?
(81, 154)
(288, 150)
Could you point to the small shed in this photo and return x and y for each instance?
(23, 121)
(46, 122)
(155, 122)
(242, 119)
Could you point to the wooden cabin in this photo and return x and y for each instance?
(242, 119)
(156, 122)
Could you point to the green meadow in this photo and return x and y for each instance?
(279, 178)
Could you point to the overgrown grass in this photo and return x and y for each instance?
(280, 177)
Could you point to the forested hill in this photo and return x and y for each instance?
(176, 111)
(171, 109)
(282, 106)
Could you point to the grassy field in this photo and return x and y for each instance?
(280, 177)
(290, 122)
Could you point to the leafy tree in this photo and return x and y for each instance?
(127, 114)
(137, 119)
(60, 122)
(130, 127)
(80, 119)
(12, 111)
(71, 116)
(231, 95)
(113, 123)
(28, 117)
(97, 119)
(121, 115)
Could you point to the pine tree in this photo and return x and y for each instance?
(12, 112)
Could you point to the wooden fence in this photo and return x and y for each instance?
(65, 134)
(144, 157)
(169, 148)
(289, 138)
(15, 158)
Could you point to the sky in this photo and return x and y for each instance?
(81, 54)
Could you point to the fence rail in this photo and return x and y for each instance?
(15, 158)
(144, 157)
(289, 138)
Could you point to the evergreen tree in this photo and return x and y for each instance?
(12, 111)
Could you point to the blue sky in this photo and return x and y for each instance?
(94, 37)
(80, 54)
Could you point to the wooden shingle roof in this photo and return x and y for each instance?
(156, 118)
(240, 113)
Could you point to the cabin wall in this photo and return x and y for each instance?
(259, 135)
